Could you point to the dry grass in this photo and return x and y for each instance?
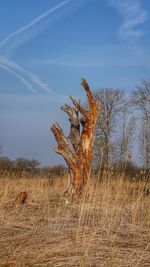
(110, 228)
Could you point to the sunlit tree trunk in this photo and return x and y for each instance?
(77, 148)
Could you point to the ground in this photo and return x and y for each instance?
(108, 228)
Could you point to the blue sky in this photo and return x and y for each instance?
(47, 46)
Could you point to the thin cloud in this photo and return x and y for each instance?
(15, 67)
(123, 55)
(133, 16)
(25, 33)
(20, 78)
(30, 30)
(23, 75)
(13, 40)
(38, 25)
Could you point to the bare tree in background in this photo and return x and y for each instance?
(141, 100)
(111, 101)
(1, 149)
(77, 147)
(144, 144)
(125, 134)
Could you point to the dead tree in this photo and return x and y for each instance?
(77, 148)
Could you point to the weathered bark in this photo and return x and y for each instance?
(77, 148)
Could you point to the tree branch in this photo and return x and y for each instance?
(79, 107)
(65, 147)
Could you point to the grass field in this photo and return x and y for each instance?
(110, 227)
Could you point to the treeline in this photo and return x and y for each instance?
(122, 136)
(29, 168)
(25, 168)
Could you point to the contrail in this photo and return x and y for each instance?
(27, 29)
(33, 22)
(6, 44)
(19, 77)
(13, 40)
(14, 68)
(34, 78)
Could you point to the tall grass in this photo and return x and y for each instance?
(109, 226)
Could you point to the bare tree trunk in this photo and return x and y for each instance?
(77, 148)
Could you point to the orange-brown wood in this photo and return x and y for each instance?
(21, 198)
(77, 148)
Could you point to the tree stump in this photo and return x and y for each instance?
(21, 198)
(77, 148)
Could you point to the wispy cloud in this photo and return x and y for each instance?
(23, 75)
(20, 78)
(117, 55)
(133, 16)
(23, 34)
(27, 32)
(30, 30)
